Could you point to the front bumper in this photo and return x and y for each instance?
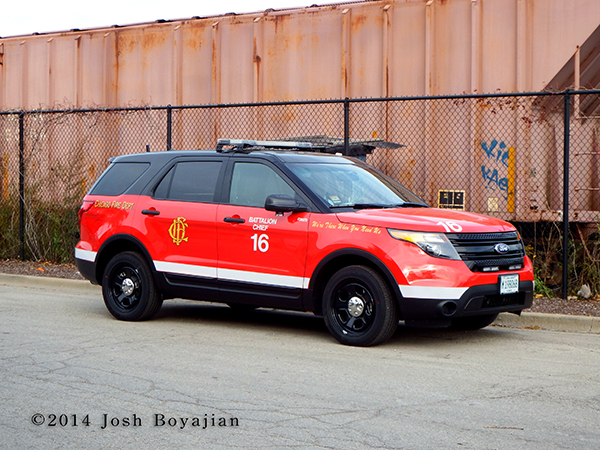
(474, 301)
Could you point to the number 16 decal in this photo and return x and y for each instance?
(450, 226)
(261, 243)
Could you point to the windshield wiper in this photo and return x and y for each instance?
(381, 205)
(371, 206)
(386, 205)
(412, 205)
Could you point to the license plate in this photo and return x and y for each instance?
(509, 284)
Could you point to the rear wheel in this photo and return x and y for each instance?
(358, 307)
(128, 288)
(473, 322)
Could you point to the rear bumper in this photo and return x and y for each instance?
(474, 301)
(87, 269)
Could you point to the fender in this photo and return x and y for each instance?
(318, 279)
(134, 244)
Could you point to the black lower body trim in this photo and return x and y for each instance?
(476, 301)
(87, 269)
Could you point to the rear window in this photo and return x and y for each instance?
(191, 181)
(118, 178)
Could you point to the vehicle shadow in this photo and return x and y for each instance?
(425, 337)
(307, 324)
(190, 311)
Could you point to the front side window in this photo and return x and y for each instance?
(191, 181)
(252, 183)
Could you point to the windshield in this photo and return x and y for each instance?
(355, 186)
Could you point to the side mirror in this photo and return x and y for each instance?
(281, 203)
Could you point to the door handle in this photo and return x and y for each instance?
(150, 212)
(233, 220)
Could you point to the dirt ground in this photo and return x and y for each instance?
(573, 306)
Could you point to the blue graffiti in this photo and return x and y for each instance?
(493, 179)
(501, 154)
(495, 153)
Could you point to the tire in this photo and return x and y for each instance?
(128, 288)
(473, 322)
(358, 307)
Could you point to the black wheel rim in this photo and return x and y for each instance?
(125, 287)
(353, 308)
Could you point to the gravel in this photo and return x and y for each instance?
(39, 269)
(572, 306)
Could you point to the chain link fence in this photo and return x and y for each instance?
(502, 155)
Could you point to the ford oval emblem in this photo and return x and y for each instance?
(501, 248)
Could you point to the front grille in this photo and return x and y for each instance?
(478, 250)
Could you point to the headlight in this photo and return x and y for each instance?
(434, 244)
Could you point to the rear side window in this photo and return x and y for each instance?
(193, 181)
(118, 178)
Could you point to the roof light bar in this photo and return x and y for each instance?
(246, 143)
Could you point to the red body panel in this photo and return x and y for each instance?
(183, 232)
(101, 219)
(427, 220)
(294, 244)
(264, 243)
(367, 230)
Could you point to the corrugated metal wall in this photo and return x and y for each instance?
(364, 49)
(370, 49)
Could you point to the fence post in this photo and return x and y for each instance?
(169, 124)
(566, 144)
(346, 126)
(22, 185)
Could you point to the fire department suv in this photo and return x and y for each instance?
(252, 226)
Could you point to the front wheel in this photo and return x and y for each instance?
(128, 288)
(473, 322)
(358, 307)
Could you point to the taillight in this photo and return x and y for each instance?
(85, 207)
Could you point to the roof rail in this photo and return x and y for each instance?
(247, 144)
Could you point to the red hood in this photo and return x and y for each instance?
(425, 219)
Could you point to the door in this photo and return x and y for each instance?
(179, 223)
(262, 254)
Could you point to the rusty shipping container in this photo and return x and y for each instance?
(394, 48)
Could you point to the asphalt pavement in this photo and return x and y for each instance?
(204, 376)
(550, 322)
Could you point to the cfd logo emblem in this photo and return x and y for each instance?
(177, 230)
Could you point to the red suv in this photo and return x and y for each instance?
(252, 226)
